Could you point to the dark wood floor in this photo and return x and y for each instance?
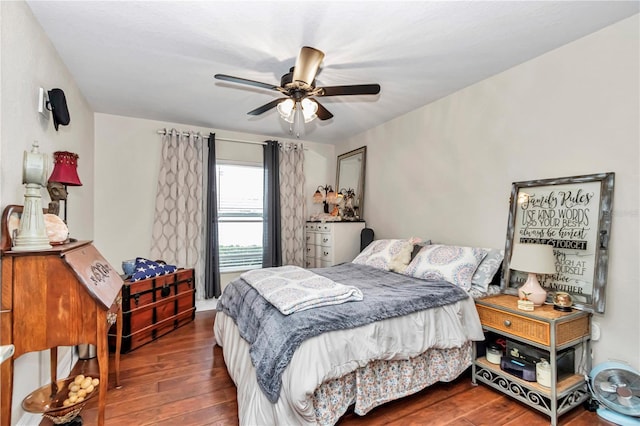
(181, 379)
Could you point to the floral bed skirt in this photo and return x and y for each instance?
(383, 381)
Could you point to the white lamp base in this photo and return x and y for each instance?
(32, 234)
(533, 290)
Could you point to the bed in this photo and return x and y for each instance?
(414, 325)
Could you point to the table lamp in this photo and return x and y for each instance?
(65, 173)
(533, 259)
(325, 195)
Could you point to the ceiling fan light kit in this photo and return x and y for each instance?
(288, 108)
(299, 86)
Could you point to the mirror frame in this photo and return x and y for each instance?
(536, 213)
(360, 189)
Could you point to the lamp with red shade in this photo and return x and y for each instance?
(65, 173)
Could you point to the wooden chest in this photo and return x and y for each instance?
(154, 307)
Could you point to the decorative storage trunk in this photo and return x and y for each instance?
(154, 307)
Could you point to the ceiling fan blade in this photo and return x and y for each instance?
(266, 107)
(322, 112)
(307, 65)
(246, 81)
(357, 89)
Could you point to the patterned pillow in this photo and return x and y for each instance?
(485, 272)
(418, 247)
(383, 254)
(449, 263)
(145, 269)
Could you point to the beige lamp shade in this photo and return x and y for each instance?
(533, 259)
(318, 197)
(331, 196)
(536, 258)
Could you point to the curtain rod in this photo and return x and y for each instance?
(164, 132)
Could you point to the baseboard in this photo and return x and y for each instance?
(206, 305)
(29, 419)
(68, 359)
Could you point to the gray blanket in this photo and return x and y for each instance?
(274, 337)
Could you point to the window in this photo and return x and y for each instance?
(240, 221)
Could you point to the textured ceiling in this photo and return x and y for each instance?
(156, 60)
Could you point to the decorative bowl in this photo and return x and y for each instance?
(49, 400)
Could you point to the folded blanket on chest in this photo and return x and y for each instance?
(273, 337)
(293, 289)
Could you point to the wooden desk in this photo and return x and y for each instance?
(44, 305)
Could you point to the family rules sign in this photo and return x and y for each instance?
(573, 215)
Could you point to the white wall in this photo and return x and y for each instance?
(572, 111)
(445, 171)
(128, 161)
(29, 61)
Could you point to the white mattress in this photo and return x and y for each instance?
(331, 355)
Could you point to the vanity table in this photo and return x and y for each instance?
(330, 241)
(63, 296)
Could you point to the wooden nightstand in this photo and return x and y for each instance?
(544, 328)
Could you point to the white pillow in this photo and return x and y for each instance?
(385, 254)
(449, 263)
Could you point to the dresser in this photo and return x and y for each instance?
(330, 243)
(545, 329)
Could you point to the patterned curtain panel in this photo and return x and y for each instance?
(178, 224)
(292, 203)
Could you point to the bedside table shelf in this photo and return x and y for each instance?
(570, 391)
(543, 328)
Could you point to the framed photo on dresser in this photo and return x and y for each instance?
(573, 214)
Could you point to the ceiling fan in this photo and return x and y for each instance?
(298, 85)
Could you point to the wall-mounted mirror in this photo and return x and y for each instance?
(350, 176)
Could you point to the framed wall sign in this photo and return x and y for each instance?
(572, 214)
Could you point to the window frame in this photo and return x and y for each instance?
(257, 219)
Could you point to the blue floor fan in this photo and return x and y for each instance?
(616, 387)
